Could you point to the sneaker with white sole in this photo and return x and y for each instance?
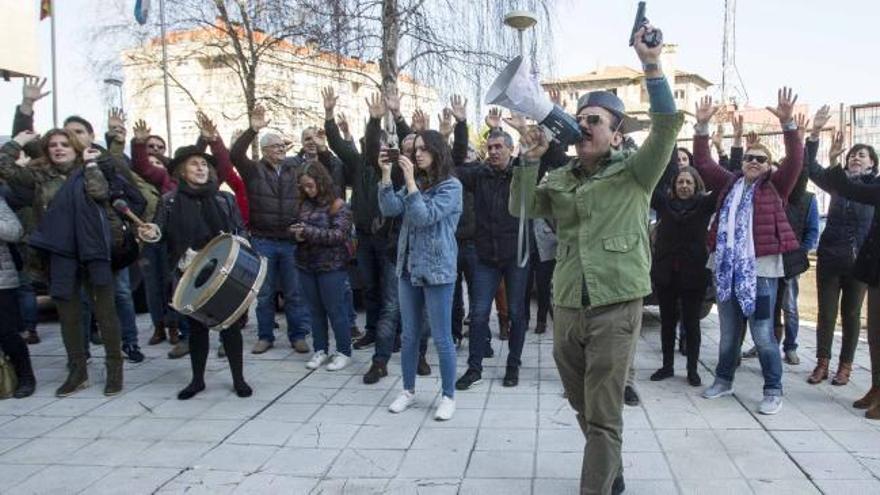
(318, 358)
(718, 390)
(445, 409)
(402, 402)
(771, 404)
(337, 362)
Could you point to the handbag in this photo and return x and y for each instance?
(8, 380)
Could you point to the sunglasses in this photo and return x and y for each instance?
(589, 119)
(756, 158)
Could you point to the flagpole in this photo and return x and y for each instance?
(52, 14)
(165, 74)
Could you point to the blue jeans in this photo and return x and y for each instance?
(349, 298)
(486, 280)
(467, 261)
(389, 319)
(125, 307)
(327, 298)
(154, 263)
(787, 302)
(435, 300)
(27, 302)
(281, 267)
(732, 323)
(371, 261)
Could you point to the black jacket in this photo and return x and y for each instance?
(866, 191)
(847, 223)
(227, 205)
(361, 175)
(680, 250)
(75, 234)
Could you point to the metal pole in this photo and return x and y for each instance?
(165, 74)
(54, 72)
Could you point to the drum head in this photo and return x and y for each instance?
(205, 274)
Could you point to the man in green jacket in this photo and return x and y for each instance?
(600, 201)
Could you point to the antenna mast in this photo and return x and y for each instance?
(733, 91)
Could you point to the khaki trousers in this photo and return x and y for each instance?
(593, 350)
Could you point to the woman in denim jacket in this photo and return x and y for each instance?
(427, 256)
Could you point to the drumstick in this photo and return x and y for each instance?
(122, 207)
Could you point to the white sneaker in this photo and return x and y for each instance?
(445, 409)
(402, 402)
(337, 362)
(318, 358)
(771, 404)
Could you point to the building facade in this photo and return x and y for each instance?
(289, 82)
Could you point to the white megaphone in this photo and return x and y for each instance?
(515, 90)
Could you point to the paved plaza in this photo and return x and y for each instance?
(327, 433)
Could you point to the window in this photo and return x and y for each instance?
(679, 94)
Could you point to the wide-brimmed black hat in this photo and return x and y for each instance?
(185, 152)
(609, 101)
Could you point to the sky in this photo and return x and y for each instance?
(825, 50)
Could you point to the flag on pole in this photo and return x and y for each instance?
(45, 9)
(141, 11)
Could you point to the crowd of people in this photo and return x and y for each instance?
(439, 215)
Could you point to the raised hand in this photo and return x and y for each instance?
(493, 120)
(206, 126)
(555, 97)
(141, 131)
(258, 118)
(738, 128)
(836, 148)
(533, 142)
(24, 137)
(518, 122)
(330, 98)
(342, 123)
(445, 119)
(647, 54)
(802, 122)
(31, 92)
(458, 105)
(823, 115)
(321, 140)
(705, 110)
(419, 121)
(392, 101)
(377, 106)
(784, 110)
(752, 138)
(116, 124)
(717, 136)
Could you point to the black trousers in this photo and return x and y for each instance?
(541, 277)
(838, 291)
(10, 340)
(678, 303)
(199, 345)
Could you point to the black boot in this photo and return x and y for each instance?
(113, 385)
(77, 378)
(232, 343)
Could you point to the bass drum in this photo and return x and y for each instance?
(221, 283)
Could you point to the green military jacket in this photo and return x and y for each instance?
(602, 219)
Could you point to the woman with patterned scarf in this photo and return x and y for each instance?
(747, 238)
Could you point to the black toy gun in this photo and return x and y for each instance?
(653, 38)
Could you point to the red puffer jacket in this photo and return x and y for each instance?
(770, 227)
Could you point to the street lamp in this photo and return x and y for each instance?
(110, 81)
(520, 20)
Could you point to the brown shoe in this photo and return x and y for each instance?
(874, 412)
(32, 337)
(261, 346)
(842, 375)
(173, 335)
(301, 346)
(870, 399)
(504, 329)
(820, 372)
(158, 335)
